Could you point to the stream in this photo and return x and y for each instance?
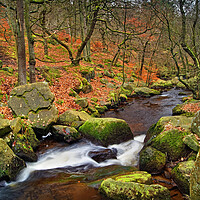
(48, 178)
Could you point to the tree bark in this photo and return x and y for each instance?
(32, 61)
(21, 44)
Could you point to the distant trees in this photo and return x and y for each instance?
(181, 21)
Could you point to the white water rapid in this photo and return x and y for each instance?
(77, 155)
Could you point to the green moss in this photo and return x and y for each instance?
(137, 176)
(128, 191)
(171, 142)
(104, 130)
(152, 160)
(181, 175)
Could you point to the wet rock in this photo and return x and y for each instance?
(181, 175)
(152, 160)
(34, 101)
(130, 190)
(171, 143)
(196, 124)
(106, 131)
(10, 164)
(65, 133)
(4, 127)
(192, 142)
(71, 116)
(194, 180)
(102, 155)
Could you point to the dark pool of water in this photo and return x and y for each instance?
(140, 113)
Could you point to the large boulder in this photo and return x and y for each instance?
(167, 123)
(195, 180)
(34, 101)
(118, 190)
(106, 131)
(171, 143)
(152, 160)
(181, 175)
(10, 164)
(4, 127)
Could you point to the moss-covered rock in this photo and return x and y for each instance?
(179, 110)
(49, 73)
(152, 160)
(171, 143)
(162, 84)
(101, 109)
(194, 180)
(168, 122)
(87, 72)
(83, 85)
(16, 125)
(22, 148)
(4, 127)
(192, 142)
(109, 74)
(118, 190)
(136, 176)
(181, 175)
(104, 81)
(196, 124)
(73, 93)
(129, 86)
(106, 131)
(71, 116)
(65, 133)
(83, 102)
(145, 91)
(10, 164)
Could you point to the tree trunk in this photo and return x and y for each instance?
(32, 61)
(21, 44)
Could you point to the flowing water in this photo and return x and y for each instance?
(47, 178)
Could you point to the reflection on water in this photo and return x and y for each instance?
(142, 112)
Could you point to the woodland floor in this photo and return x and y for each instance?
(68, 75)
